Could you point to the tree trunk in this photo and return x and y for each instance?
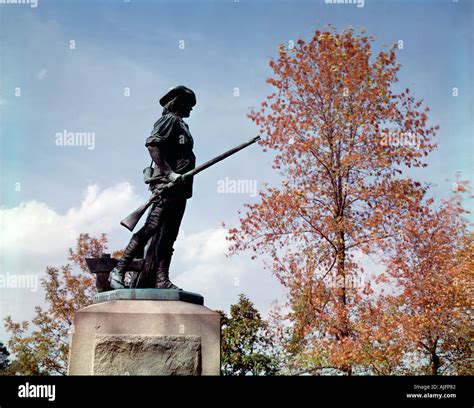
(341, 293)
(435, 363)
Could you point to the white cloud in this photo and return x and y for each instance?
(34, 229)
(200, 265)
(34, 236)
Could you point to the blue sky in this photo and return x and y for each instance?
(227, 44)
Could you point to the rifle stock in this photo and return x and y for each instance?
(131, 220)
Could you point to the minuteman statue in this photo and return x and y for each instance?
(171, 149)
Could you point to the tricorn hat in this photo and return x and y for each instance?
(180, 90)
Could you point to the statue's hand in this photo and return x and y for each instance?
(174, 177)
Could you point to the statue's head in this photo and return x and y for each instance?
(179, 100)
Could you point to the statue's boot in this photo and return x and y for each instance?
(116, 276)
(162, 273)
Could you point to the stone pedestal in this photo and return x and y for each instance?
(133, 335)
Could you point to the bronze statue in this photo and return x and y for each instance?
(170, 177)
(171, 148)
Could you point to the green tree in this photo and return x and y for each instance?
(246, 343)
(4, 360)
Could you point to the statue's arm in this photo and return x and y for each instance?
(164, 129)
(163, 167)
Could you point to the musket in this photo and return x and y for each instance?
(131, 221)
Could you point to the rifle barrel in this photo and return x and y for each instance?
(131, 220)
(217, 159)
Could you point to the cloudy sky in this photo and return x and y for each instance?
(100, 67)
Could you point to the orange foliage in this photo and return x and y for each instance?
(343, 138)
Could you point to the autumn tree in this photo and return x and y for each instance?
(430, 269)
(343, 136)
(245, 344)
(41, 346)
